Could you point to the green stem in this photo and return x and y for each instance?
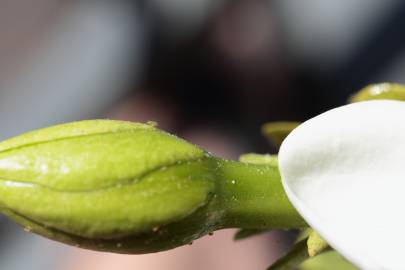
(253, 197)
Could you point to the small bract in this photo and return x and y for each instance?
(344, 171)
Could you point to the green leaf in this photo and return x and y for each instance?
(276, 132)
(303, 234)
(297, 255)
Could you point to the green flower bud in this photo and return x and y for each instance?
(380, 91)
(123, 187)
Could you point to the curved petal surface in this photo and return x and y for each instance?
(344, 171)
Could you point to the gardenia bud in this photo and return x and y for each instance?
(108, 185)
(131, 188)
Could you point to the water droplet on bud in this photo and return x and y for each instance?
(152, 123)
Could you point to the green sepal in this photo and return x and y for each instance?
(303, 234)
(276, 132)
(246, 233)
(253, 158)
(316, 244)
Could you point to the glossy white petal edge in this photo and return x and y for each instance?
(344, 171)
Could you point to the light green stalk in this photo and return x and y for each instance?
(253, 197)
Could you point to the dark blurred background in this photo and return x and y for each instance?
(211, 71)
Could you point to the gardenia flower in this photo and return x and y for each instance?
(344, 171)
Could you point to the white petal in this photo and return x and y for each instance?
(344, 171)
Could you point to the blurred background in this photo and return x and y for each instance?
(210, 71)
